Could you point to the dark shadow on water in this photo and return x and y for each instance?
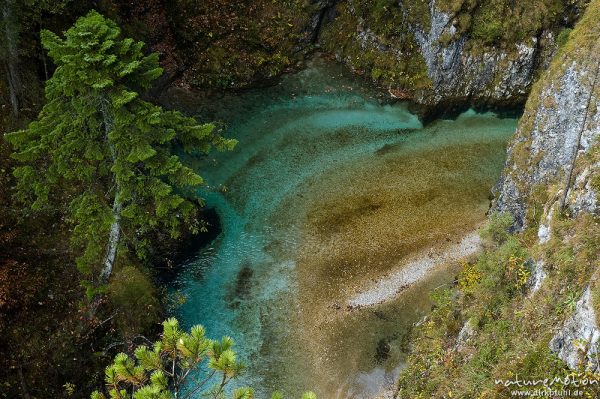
(382, 352)
(451, 109)
(172, 257)
(243, 286)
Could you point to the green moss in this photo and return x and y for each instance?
(385, 17)
(400, 65)
(503, 22)
(456, 6)
(488, 23)
(418, 13)
(394, 60)
(506, 22)
(376, 73)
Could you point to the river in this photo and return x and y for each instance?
(327, 192)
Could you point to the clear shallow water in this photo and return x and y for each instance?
(326, 191)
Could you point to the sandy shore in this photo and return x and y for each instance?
(389, 287)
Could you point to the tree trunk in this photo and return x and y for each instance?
(115, 228)
(111, 253)
(11, 55)
(113, 242)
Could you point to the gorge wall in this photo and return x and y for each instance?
(552, 159)
(436, 52)
(448, 51)
(552, 172)
(528, 306)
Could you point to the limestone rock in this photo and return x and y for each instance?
(537, 277)
(466, 333)
(576, 343)
(494, 74)
(560, 126)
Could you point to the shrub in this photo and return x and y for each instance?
(134, 297)
(496, 231)
(563, 37)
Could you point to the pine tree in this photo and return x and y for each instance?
(169, 368)
(110, 153)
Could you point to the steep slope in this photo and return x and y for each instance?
(527, 308)
(550, 159)
(553, 168)
(437, 52)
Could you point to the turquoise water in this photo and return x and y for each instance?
(327, 190)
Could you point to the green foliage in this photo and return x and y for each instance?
(504, 274)
(164, 370)
(134, 297)
(105, 151)
(563, 37)
(572, 256)
(406, 68)
(495, 231)
(506, 22)
(171, 368)
(488, 24)
(376, 73)
(510, 327)
(374, 36)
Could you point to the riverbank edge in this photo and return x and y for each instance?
(414, 269)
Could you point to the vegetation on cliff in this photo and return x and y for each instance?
(490, 327)
(512, 314)
(375, 39)
(233, 44)
(378, 38)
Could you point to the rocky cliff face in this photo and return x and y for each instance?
(501, 75)
(552, 173)
(576, 343)
(551, 159)
(445, 51)
(438, 52)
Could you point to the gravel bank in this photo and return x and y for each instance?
(387, 288)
